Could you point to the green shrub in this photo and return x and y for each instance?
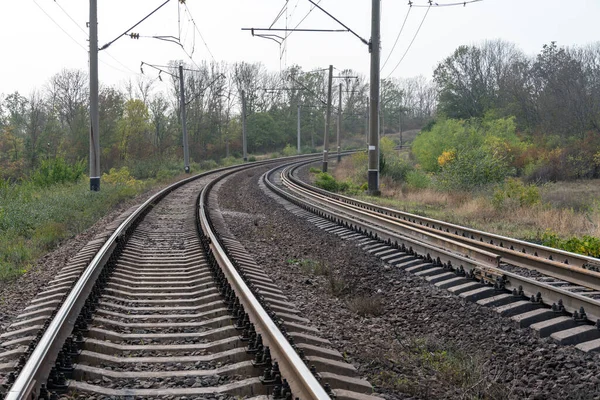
(207, 165)
(417, 179)
(308, 150)
(326, 181)
(251, 159)
(586, 245)
(229, 161)
(54, 171)
(397, 169)
(289, 151)
(513, 194)
(314, 170)
(470, 168)
(121, 176)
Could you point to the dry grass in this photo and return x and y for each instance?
(367, 305)
(569, 209)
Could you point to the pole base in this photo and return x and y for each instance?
(187, 170)
(373, 183)
(95, 184)
(324, 166)
(245, 159)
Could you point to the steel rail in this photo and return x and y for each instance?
(36, 369)
(42, 358)
(531, 256)
(475, 237)
(302, 382)
(404, 231)
(550, 294)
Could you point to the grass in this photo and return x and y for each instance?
(337, 285)
(571, 209)
(427, 367)
(367, 305)
(34, 220)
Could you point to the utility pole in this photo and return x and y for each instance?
(327, 120)
(94, 114)
(244, 139)
(339, 125)
(367, 122)
(299, 149)
(400, 124)
(186, 150)
(373, 177)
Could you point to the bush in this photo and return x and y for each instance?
(251, 159)
(289, 151)
(229, 161)
(53, 171)
(207, 165)
(397, 169)
(472, 167)
(586, 245)
(417, 179)
(326, 181)
(513, 194)
(121, 177)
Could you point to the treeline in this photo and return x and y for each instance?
(503, 113)
(140, 123)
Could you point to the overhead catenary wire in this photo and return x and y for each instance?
(199, 33)
(411, 43)
(81, 45)
(128, 30)
(60, 27)
(397, 37)
(340, 22)
(283, 9)
(434, 4)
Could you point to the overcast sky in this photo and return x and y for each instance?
(33, 47)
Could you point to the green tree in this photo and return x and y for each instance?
(134, 130)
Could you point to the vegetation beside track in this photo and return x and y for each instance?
(55, 204)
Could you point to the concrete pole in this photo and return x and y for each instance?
(299, 149)
(327, 120)
(339, 125)
(400, 125)
(373, 175)
(367, 122)
(186, 150)
(244, 137)
(94, 114)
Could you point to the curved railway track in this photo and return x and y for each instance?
(171, 306)
(553, 291)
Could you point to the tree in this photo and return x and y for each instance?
(134, 131)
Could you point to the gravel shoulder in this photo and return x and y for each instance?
(410, 339)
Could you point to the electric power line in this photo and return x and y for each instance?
(397, 37)
(411, 43)
(199, 33)
(283, 9)
(434, 4)
(61, 28)
(302, 20)
(87, 35)
(127, 31)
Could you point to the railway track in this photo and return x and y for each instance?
(556, 293)
(170, 306)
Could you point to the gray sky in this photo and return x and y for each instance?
(33, 48)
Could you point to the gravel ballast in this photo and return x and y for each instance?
(410, 339)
